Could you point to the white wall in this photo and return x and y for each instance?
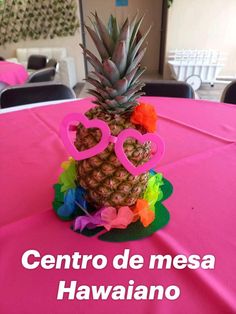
(203, 24)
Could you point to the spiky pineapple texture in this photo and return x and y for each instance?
(103, 177)
(116, 75)
(117, 88)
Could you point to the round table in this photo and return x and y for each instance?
(200, 162)
(12, 73)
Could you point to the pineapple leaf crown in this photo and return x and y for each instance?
(116, 76)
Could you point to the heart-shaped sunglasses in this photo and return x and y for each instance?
(107, 138)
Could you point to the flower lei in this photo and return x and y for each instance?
(70, 202)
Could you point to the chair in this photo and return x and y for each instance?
(44, 75)
(168, 89)
(67, 69)
(34, 93)
(52, 63)
(229, 94)
(36, 62)
(3, 86)
(1, 58)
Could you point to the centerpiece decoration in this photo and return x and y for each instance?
(108, 186)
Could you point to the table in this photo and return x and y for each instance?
(200, 161)
(12, 73)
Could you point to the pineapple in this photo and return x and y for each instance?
(116, 88)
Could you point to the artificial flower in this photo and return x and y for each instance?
(108, 217)
(80, 198)
(143, 212)
(113, 218)
(69, 206)
(88, 221)
(65, 164)
(153, 192)
(67, 178)
(145, 115)
(71, 203)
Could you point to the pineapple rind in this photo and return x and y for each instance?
(105, 180)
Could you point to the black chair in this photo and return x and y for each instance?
(229, 94)
(36, 62)
(52, 63)
(168, 89)
(44, 75)
(1, 58)
(34, 93)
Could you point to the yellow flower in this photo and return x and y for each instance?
(66, 164)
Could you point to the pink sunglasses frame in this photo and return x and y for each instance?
(107, 138)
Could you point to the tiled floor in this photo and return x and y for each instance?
(211, 93)
(205, 92)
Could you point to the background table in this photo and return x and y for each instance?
(200, 161)
(12, 73)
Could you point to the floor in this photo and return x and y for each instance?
(211, 93)
(205, 92)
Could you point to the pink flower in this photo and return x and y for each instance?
(116, 218)
(108, 217)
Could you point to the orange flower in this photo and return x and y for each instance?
(143, 212)
(145, 115)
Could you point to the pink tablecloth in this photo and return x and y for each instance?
(12, 73)
(200, 161)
